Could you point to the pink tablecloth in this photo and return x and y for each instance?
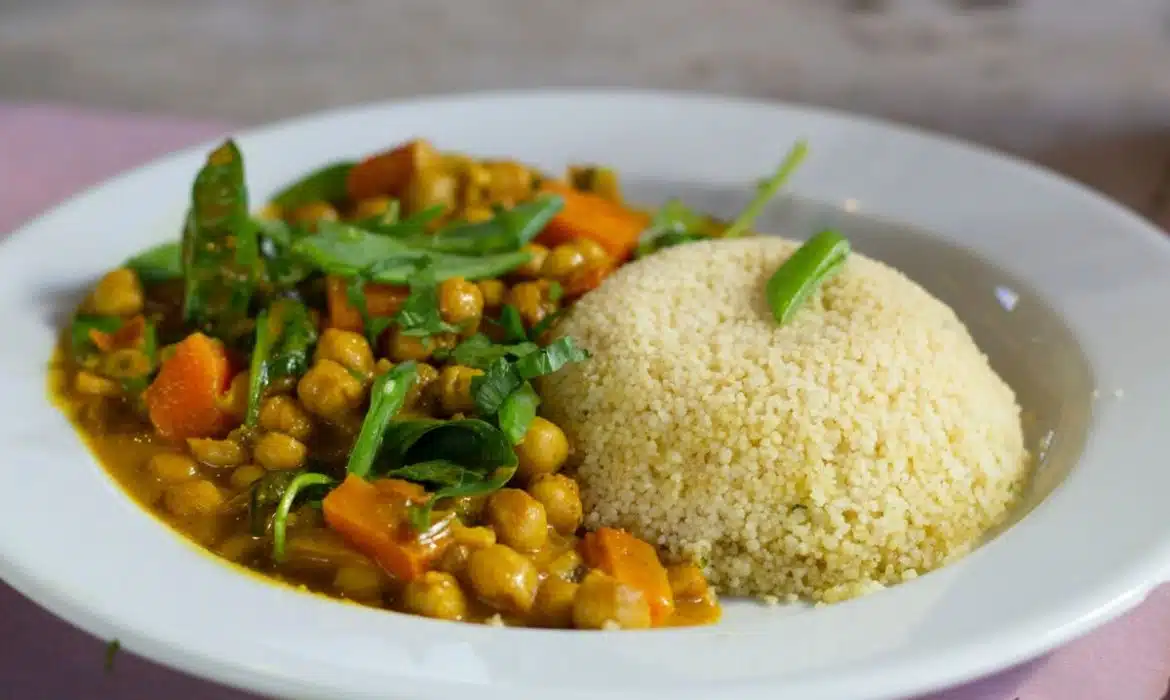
(47, 153)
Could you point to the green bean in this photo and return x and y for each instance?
(818, 259)
(766, 191)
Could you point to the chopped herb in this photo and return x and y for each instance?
(766, 191)
(555, 291)
(545, 323)
(285, 337)
(492, 388)
(265, 496)
(160, 263)
(479, 351)
(386, 399)
(509, 230)
(674, 223)
(518, 411)
(819, 258)
(325, 184)
(550, 358)
(512, 324)
(220, 248)
(112, 650)
(294, 488)
(419, 315)
(282, 267)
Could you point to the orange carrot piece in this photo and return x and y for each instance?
(633, 562)
(382, 300)
(373, 518)
(388, 173)
(185, 399)
(591, 216)
(129, 335)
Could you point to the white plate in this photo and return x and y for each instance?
(73, 542)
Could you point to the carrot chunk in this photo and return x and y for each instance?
(382, 300)
(633, 562)
(388, 173)
(184, 400)
(591, 216)
(372, 516)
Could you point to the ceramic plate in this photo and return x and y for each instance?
(1067, 293)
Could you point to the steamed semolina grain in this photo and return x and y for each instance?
(864, 443)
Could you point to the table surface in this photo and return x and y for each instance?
(51, 152)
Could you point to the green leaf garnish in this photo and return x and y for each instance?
(160, 263)
(518, 411)
(325, 184)
(419, 315)
(766, 191)
(479, 351)
(386, 398)
(502, 377)
(295, 487)
(285, 337)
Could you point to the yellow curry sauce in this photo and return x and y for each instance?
(387, 450)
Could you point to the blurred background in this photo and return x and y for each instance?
(1079, 84)
(1082, 86)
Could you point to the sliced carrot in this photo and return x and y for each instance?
(382, 300)
(184, 400)
(373, 518)
(129, 335)
(388, 173)
(633, 562)
(591, 216)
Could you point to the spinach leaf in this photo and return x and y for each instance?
(386, 399)
(463, 457)
(674, 223)
(285, 337)
(492, 388)
(509, 230)
(345, 250)
(80, 340)
(160, 263)
(297, 485)
(518, 411)
(325, 184)
(550, 358)
(282, 268)
(419, 315)
(479, 351)
(220, 250)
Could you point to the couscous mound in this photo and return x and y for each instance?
(864, 443)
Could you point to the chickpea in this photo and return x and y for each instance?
(346, 348)
(454, 559)
(235, 402)
(561, 498)
(435, 594)
(330, 391)
(239, 547)
(529, 300)
(191, 498)
(217, 453)
(460, 302)
(309, 214)
(531, 269)
(567, 565)
(245, 476)
(421, 392)
(509, 181)
(453, 388)
(492, 292)
(125, 363)
(601, 601)
(90, 384)
(687, 582)
(403, 347)
(361, 583)
(518, 519)
(430, 187)
(282, 414)
(472, 537)
(543, 450)
(277, 451)
(503, 578)
(172, 468)
(270, 212)
(554, 602)
(370, 207)
(118, 293)
(595, 255)
(563, 261)
(474, 214)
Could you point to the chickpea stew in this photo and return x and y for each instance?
(336, 391)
